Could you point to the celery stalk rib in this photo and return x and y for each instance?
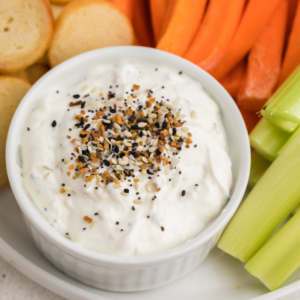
(267, 139)
(285, 103)
(279, 258)
(269, 203)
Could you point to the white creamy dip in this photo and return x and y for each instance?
(95, 201)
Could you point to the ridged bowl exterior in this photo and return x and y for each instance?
(120, 279)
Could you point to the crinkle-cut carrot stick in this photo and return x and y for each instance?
(141, 20)
(264, 62)
(183, 25)
(255, 18)
(250, 118)
(125, 6)
(158, 12)
(292, 55)
(215, 33)
(233, 80)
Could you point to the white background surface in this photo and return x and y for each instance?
(15, 286)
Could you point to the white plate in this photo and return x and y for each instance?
(218, 277)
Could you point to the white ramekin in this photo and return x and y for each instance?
(113, 272)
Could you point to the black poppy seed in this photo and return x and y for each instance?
(81, 158)
(137, 193)
(180, 72)
(106, 162)
(170, 179)
(162, 228)
(84, 228)
(133, 208)
(76, 96)
(53, 123)
(67, 233)
(63, 184)
(62, 160)
(180, 172)
(69, 195)
(96, 188)
(148, 217)
(28, 129)
(126, 191)
(96, 214)
(121, 230)
(117, 223)
(57, 92)
(86, 126)
(196, 184)
(195, 146)
(183, 193)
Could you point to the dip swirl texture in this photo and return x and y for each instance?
(131, 161)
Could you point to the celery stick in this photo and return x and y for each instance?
(285, 103)
(267, 139)
(258, 167)
(284, 125)
(271, 200)
(290, 139)
(279, 258)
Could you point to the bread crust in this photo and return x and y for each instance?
(105, 26)
(12, 90)
(24, 48)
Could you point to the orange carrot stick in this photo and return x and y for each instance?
(264, 62)
(141, 20)
(183, 25)
(233, 80)
(292, 54)
(254, 20)
(158, 11)
(215, 33)
(125, 6)
(167, 18)
(250, 118)
(291, 15)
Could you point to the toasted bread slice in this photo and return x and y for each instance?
(57, 9)
(26, 32)
(44, 60)
(12, 90)
(86, 25)
(36, 71)
(61, 1)
(21, 74)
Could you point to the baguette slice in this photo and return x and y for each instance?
(12, 90)
(57, 9)
(86, 25)
(21, 75)
(60, 1)
(36, 71)
(26, 29)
